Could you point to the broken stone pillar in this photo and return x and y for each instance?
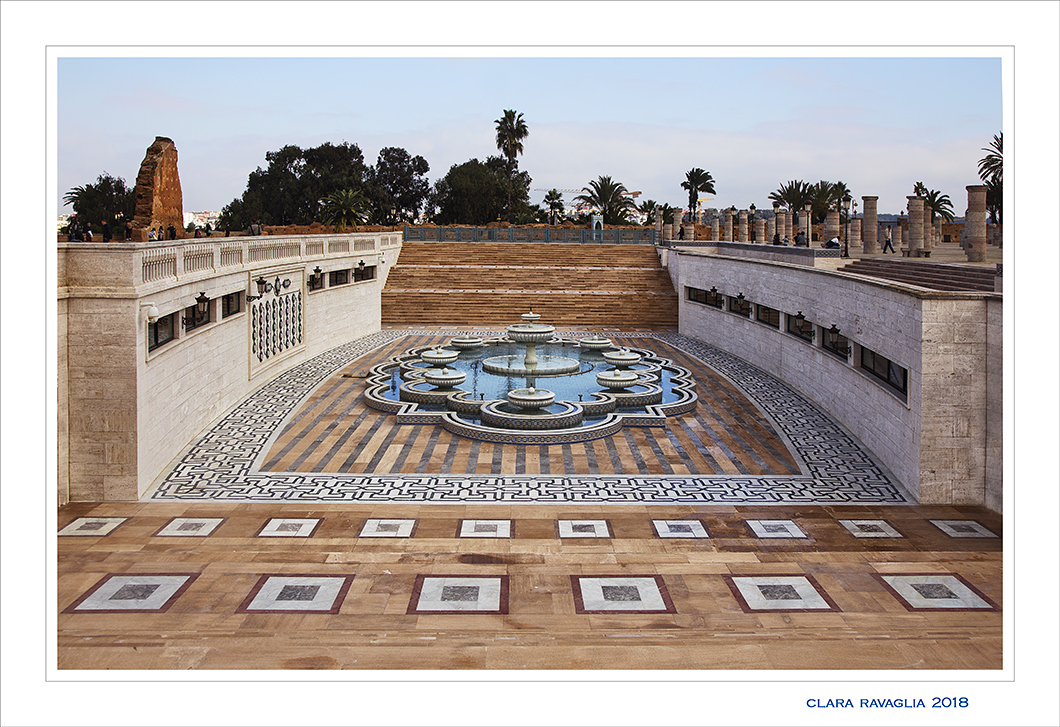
(668, 232)
(869, 225)
(807, 215)
(760, 230)
(742, 231)
(690, 230)
(831, 225)
(727, 222)
(785, 216)
(159, 202)
(855, 232)
(916, 225)
(715, 229)
(771, 229)
(975, 223)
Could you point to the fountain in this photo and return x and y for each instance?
(475, 394)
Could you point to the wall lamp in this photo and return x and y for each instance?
(264, 286)
(360, 266)
(202, 307)
(317, 274)
(833, 339)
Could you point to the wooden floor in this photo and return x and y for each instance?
(335, 432)
(373, 628)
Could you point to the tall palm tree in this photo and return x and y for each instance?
(554, 200)
(939, 204)
(990, 166)
(827, 196)
(609, 197)
(345, 206)
(511, 130)
(794, 195)
(994, 201)
(697, 180)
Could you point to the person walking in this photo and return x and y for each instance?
(128, 230)
(887, 240)
(106, 231)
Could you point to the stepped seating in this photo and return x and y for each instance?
(481, 283)
(935, 276)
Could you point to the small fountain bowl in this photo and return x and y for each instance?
(531, 398)
(616, 379)
(595, 343)
(444, 378)
(439, 356)
(623, 358)
(465, 342)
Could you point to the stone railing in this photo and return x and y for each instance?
(96, 264)
(531, 234)
(776, 253)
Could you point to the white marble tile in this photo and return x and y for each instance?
(870, 529)
(92, 526)
(387, 528)
(776, 529)
(779, 593)
(485, 528)
(297, 593)
(963, 529)
(680, 529)
(285, 527)
(584, 529)
(935, 591)
(133, 593)
(618, 594)
(190, 527)
(445, 593)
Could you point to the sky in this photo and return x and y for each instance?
(880, 124)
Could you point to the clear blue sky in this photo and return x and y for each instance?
(879, 124)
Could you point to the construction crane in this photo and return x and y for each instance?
(549, 189)
(632, 194)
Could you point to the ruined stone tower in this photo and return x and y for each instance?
(158, 196)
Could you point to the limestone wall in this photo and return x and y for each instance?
(130, 411)
(942, 441)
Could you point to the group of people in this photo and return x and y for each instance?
(800, 240)
(82, 231)
(169, 233)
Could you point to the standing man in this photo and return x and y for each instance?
(887, 239)
(106, 231)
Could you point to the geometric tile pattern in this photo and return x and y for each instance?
(680, 529)
(190, 527)
(92, 526)
(870, 529)
(223, 464)
(133, 593)
(485, 529)
(779, 593)
(459, 594)
(296, 593)
(936, 592)
(582, 529)
(776, 529)
(621, 594)
(963, 529)
(388, 529)
(286, 527)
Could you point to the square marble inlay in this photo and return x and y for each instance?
(133, 593)
(621, 594)
(92, 526)
(776, 529)
(190, 527)
(459, 594)
(286, 527)
(388, 529)
(936, 592)
(962, 529)
(583, 529)
(870, 529)
(680, 529)
(297, 593)
(485, 529)
(779, 593)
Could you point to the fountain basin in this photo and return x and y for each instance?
(445, 378)
(623, 358)
(595, 343)
(530, 332)
(494, 414)
(515, 365)
(617, 379)
(439, 356)
(465, 342)
(531, 398)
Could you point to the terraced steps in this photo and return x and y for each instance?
(479, 283)
(926, 275)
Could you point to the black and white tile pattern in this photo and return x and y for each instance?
(963, 529)
(190, 527)
(936, 592)
(870, 529)
(583, 529)
(376, 528)
(485, 529)
(459, 594)
(680, 529)
(289, 527)
(223, 463)
(297, 594)
(779, 593)
(621, 594)
(776, 529)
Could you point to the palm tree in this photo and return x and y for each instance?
(554, 200)
(511, 130)
(794, 195)
(994, 201)
(609, 197)
(697, 180)
(990, 166)
(826, 197)
(939, 204)
(345, 206)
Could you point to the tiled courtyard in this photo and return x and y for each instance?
(305, 531)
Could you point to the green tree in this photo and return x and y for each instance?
(827, 196)
(697, 180)
(346, 206)
(554, 200)
(511, 130)
(397, 183)
(935, 202)
(991, 169)
(473, 193)
(106, 199)
(609, 197)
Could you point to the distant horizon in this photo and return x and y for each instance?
(637, 121)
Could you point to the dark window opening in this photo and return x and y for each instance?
(769, 316)
(194, 319)
(740, 306)
(338, 277)
(231, 304)
(366, 273)
(885, 370)
(800, 327)
(161, 331)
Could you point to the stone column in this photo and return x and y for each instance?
(936, 235)
(760, 231)
(771, 228)
(727, 224)
(855, 232)
(916, 225)
(786, 217)
(742, 231)
(807, 215)
(869, 225)
(715, 229)
(975, 223)
(831, 225)
(690, 230)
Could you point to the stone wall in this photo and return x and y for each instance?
(159, 201)
(943, 440)
(129, 411)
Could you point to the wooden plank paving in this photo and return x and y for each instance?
(334, 431)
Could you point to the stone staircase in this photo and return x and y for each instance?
(570, 285)
(935, 276)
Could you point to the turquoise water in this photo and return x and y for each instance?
(488, 386)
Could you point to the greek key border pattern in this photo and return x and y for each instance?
(219, 465)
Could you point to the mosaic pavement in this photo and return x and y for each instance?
(223, 464)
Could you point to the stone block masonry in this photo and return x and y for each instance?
(159, 202)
